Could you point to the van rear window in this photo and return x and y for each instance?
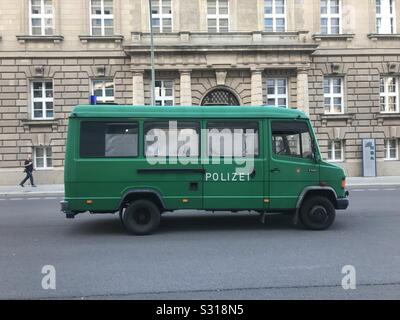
(100, 139)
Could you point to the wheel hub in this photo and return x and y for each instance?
(142, 216)
(318, 214)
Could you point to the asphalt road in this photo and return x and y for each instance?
(201, 256)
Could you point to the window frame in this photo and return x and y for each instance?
(274, 16)
(102, 17)
(42, 16)
(104, 98)
(45, 158)
(331, 95)
(387, 149)
(43, 99)
(331, 146)
(329, 16)
(161, 16)
(314, 149)
(276, 96)
(389, 18)
(163, 98)
(386, 94)
(217, 17)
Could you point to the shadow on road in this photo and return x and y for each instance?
(174, 223)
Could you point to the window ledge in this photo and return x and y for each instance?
(40, 123)
(394, 115)
(55, 38)
(379, 36)
(381, 117)
(334, 37)
(114, 38)
(336, 117)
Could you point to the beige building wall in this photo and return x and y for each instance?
(240, 61)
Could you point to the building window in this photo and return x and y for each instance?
(218, 15)
(164, 92)
(102, 18)
(333, 95)
(43, 158)
(103, 90)
(42, 100)
(389, 94)
(161, 15)
(41, 17)
(274, 16)
(391, 149)
(385, 17)
(335, 151)
(277, 93)
(330, 16)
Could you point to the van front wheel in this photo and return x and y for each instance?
(141, 217)
(317, 213)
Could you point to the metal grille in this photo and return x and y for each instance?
(220, 97)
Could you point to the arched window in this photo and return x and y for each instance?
(220, 97)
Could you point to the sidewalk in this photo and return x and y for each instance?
(28, 190)
(59, 188)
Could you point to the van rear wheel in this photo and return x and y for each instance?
(141, 217)
(317, 213)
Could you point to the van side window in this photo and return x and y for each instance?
(291, 139)
(171, 139)
(108, 139)
(232, 139)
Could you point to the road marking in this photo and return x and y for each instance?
(33, 199)
(16, 199)
(389, 189)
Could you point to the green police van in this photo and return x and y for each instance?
(142, 161)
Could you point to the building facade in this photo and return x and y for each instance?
(337, 60)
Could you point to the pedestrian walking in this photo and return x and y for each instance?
(28, 170)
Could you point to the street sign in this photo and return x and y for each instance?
(369, 158)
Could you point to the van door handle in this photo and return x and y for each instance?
(274, 170)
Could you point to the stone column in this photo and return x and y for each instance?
(303, 100)
(186, 88)
(256, 88)
(138, 88)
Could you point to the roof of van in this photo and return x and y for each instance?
(183, 112)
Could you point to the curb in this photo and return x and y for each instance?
(35, 193)
(383, 184)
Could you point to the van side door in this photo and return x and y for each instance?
(292, 164)
(234, 165)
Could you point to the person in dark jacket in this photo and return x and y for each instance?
(28, 170)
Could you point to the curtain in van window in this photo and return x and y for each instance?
(171, 138)
(232, 139)
(121, 140)
(99, 139)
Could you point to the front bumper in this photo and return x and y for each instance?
(343, 203)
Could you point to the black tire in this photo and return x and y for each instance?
(317, 213)
(141, 217)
